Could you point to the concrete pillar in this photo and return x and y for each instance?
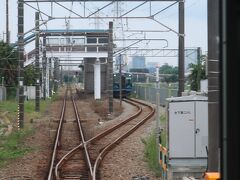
(97, 79)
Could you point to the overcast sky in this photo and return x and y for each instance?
(195, 23)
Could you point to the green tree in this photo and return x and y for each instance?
(8, 64)
(198, 72)
(170, 72)
(29, 75)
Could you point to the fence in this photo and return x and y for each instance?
(148, 93)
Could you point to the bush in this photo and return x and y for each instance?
(150, 152)
(12, 147)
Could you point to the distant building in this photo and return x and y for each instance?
(138, 62)
(123, 60)
(152, 67)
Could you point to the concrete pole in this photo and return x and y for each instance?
(213, 86)
(44, 63)
(7, 24)
(61, 75)
(47, 77)
(37, 69)
(110, 68)
(120, 79)
(20, 63)
(97, 79)
(181, 49)
(157, 112)
(56, 74)
(50, 76)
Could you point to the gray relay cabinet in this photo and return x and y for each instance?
(188, 126)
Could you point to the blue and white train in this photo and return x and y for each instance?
(126, 80)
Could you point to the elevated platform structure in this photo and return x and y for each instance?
(72, 47)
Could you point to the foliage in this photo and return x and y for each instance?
(12, 147)
(29, 75)
(198, 73)
(151, 151)
(170, 72)
(11, 92)
(8, 64)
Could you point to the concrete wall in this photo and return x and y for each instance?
(3, 93)
(30, 92)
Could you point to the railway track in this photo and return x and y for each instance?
(101, 144)
(70, 158)
(75, 158)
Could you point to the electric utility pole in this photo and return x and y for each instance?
(20, 63)
(120, 79)
(110, 67)
(7, 24)
(181, 48)
(37, 101)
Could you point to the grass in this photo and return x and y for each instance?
(150, 152)
(163, 120)
(55, 96)
(12, 147)
(99, 107)
(10, 106)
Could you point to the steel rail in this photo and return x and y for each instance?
(57, 138)
(82, 137)
(67, 156)
(65, 159)
(106, 132)
(119, 139)
(99, 136)
(70, 153)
